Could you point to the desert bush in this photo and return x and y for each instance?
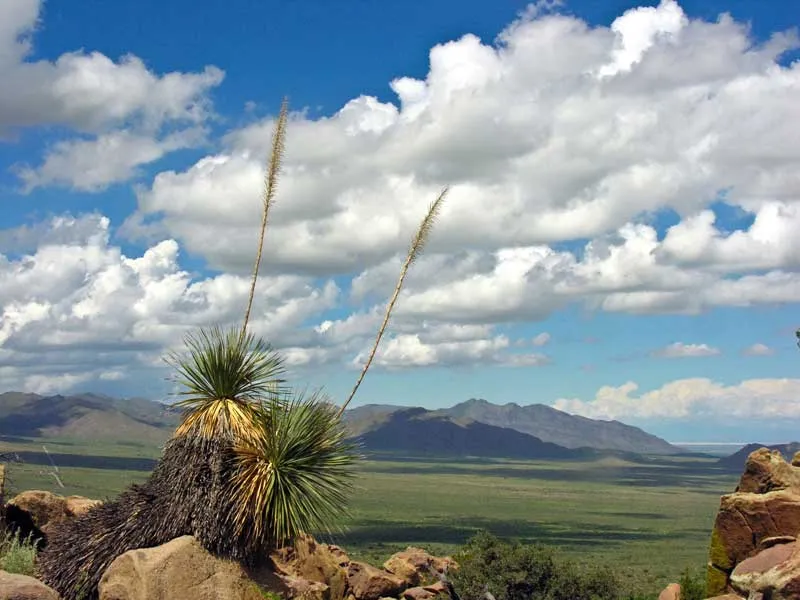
(693, 586)
(513, 571)
(17, 555)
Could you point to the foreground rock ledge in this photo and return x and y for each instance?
(181, 570)
(753, 551)
(22, 587)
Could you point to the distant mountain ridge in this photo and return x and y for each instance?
(416, 431)
(88, 416)
(473, 428)
(540, 422)
(737, 460)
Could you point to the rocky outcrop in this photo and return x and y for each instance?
(308, 570)
(45, 509)
(312, 561)
(766, 471)
(181, 570)
(753, 549)
(414, 565)
(370, 583)
(22, 587)
(404, 574)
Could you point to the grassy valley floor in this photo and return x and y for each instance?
(647, 520)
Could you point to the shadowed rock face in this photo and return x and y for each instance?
(753, 549)
(34, 513)
(19, 522)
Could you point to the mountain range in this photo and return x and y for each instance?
(473, 428)
(736, 461)
(540, 423)
(85, 416)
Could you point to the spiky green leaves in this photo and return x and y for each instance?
(295, 475)
(224, 376)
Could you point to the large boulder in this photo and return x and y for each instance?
(22, 587)
(767, 471)
(774, 573)
(370, 583)
(181, 570)
(46, 509)
(763, 513)
(415, 565)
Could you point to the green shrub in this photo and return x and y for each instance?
(512, 571)
(693, 586)
(17, 555)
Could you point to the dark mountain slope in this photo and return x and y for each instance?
(417, 431)
(570, 431)
(736, 461)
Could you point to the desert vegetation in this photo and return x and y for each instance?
(17, 554)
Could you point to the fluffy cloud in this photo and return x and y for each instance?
(536, 150)
(136, 114)
(700, 397)
(76, 309)
(93, 164)
(681, 350)
(451, 345)
(541, 340)
(83, 309)
(758, 350)
(559, 133)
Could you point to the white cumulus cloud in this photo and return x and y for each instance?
(681, 350)
(128, 115)
(699, 397)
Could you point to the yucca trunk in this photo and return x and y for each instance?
(184, 495)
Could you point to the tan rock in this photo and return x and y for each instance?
(78, 505)
(46, 508)
(303, 589)
(22, 587)
(729, 597)
(437, 587)
(671, 592)
(415, 565)
(417, 593)
(767, 471)
(312, 561)
(180, 570)
(371, 583)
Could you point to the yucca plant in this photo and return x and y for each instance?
(225, 375)
(249, 467)
(295, 475)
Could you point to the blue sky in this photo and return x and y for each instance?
(617, 241)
